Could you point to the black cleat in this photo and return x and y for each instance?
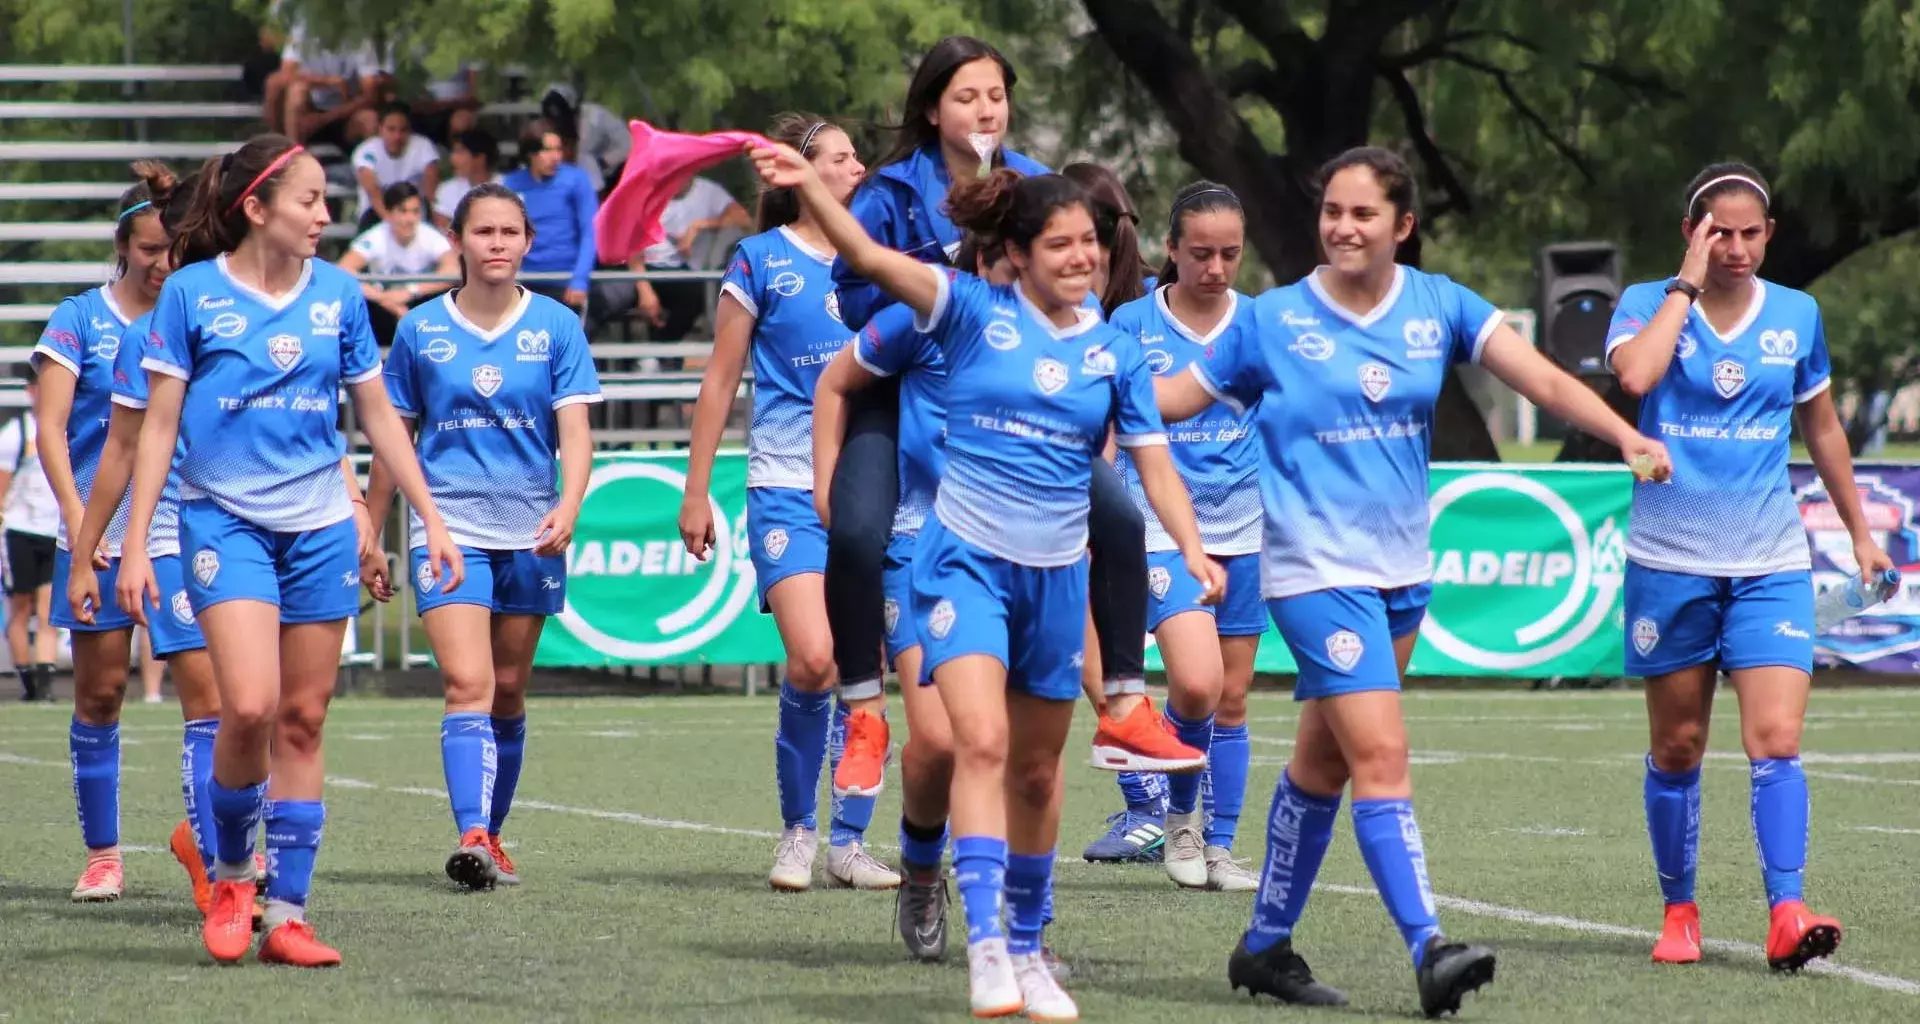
(43, 682)
(1451, 970)
(1281, 973)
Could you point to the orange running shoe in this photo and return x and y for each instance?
(228, 929)
(1798, 935)
(187, 852)
(504, 871)
(472, 864)
(294, 945)
(863, 764)
(1679, 935)
(102, 880)
(1142, 742)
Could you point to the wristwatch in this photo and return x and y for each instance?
(1684, 287)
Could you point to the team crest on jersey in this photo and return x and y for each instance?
(1345, 648)
(890, 614)
(534, 346)
(788, 284)
(1778, 347)
(227, 325)
(1159, 580)
(182, 609)
(1317, 347)
(325, 317)
(940, 621)
(775, 543)
(285, 350)
(1423, 339)
(1646, 636)
(1001, 336)
(206, 565)
(1729, 377)
(1049, 375)
(423, 577)
(1159, 361)
(486, 379)
(440, 350)
(1375, 381)
(1098, 362)
(833, 304)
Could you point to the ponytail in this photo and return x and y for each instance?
(146, 196)
(1116, 225)
(215, 220)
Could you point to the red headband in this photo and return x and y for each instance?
(278, 162)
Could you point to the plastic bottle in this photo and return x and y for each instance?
(1851, 598)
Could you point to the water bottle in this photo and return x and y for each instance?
(1843, 602)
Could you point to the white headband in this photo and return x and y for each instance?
(811, 132)
(1723, 179)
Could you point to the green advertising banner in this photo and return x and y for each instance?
(1528, 563)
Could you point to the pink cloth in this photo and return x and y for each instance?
(659, 166)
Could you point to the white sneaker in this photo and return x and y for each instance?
(793, 860)
(992, 988)
(1046, 1000)
(850, 867)
(1224, 874)
(1186, 851)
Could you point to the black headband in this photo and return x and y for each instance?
(1173, 217)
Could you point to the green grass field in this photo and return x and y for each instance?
(645, 826)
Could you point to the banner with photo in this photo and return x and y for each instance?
(1885, 638)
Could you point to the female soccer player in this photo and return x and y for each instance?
(77, 358)
(252, 340)
(778, 301)
(999, 571)
(1723, 362)
(1208, 652)
(1349, 362)
(495, 485)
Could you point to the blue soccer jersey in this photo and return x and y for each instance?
(130, 390)
(1028, 405)
(485, 403)
(263, 380)
(1216, 452)
(1724, 409)
(84, 335)
(1349, 401)
(889, 346)
(788, 287)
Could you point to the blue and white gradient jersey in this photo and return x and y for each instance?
(485, 403)
(1346, 406)
(889, 346)
(788, 287)
(84, 335)
(1724, 410)
(263, 389)
(1028, 405)
(130, 390)
(1216, 452)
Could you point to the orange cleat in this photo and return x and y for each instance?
(1798, 935)
(228, 929)
(1679, 935)
(102, 880)
(293, 944)
(504, 871)
(863, 764)
(472, 865)
(187, 852)
(1142, 742)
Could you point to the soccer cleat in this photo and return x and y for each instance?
(1131, 837)
(293, 944)
(1186, 851)
(472, 865)
(102, 881)
(1449, 971)
(1679, 935)
(504, 873)
(228, 928)
(793, 860)
(1224, 874)
(851, 867)
(920, 910)
(1045, 999)
(993, 990)
(1142, 742)
(1798, 935)
(863, 763)
(1279, 972)
(187, 852)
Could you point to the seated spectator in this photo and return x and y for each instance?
(474, 155)
(702, 207)
(393, 156)
(561, 204)
(401, 244)
(600, 140)
(453, 108)
(316, 92)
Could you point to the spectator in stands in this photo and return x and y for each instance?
(703, 207)
(399, 245)
(598, 139)
(474, 155)
(561, 204)
(317, 92)
(453, 108)
(31, 518)
(395, 155)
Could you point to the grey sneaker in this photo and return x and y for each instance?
(920, 907)
(851, 867)
(1224, 874)
(793, 860)
(1186, 851)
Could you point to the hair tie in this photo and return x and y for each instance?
(811, 132)
(278, 162)
(135, 208)
(1723, 179)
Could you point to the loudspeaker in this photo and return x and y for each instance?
(1578, 284)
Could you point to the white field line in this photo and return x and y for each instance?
(1884, 830)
